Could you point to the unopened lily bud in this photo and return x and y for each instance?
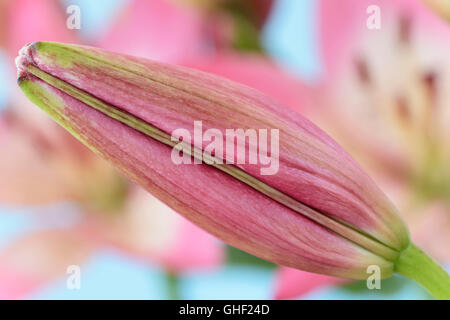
(293, 196)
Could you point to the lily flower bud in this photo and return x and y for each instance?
(300, 200)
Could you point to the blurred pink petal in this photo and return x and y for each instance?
(41, 162)
(157, 29)
(375, 74)
(16, 285)
(292, 283)
(28, 176)
(343, 23)
(34, 20)
(35, 260)
(338, 23)
(258, 72)
(430, 229)
(193, 248)
(3, 32)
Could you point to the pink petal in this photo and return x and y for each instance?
(27, 165)
(31, 20)
(430, 228)
(41, 163)
(292, 283)
(17, 285)
(338, 23)
(157, 29)
(193, 248)
(35, 260)
(343, 24)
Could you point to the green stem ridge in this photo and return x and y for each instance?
(173, 288)
(413, 263)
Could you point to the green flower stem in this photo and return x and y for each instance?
(173, 285)
(416, 265)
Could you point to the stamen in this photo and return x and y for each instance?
(403, 111)
(405, 29)
(362, 71)
(429, 80)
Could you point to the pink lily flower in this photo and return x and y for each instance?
(391, 87)
(45, 16)
(161, 30)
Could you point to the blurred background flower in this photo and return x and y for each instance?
(382, 94)
(386, 99)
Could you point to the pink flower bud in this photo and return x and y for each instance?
(316, 210)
